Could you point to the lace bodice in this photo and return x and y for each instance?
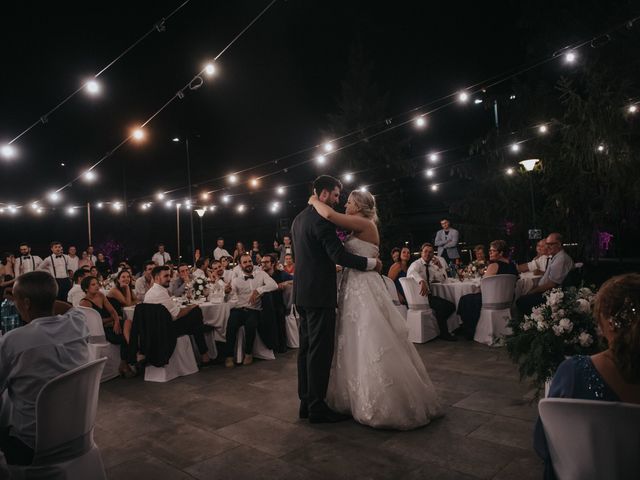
(360, 247)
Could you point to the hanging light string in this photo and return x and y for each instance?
(453, 98)
(158, 26)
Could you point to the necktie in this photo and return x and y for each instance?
(426, 268)
(247, 277)
(26, 258)
(58, 256)
(546, 265)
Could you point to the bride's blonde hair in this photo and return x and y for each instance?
(366, 203)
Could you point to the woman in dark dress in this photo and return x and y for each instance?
(113, 331)
(399, 270)
(470, 305)
(103, 266)
(612, 375)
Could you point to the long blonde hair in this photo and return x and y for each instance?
(366, 203)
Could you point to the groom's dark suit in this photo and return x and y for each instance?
(318, 250)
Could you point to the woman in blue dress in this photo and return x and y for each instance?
(612, 375)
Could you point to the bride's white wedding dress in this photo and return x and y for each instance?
(377, 375)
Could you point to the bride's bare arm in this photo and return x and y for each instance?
(354, 223)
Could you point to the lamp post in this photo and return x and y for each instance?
(188, 158)
(200, 212)
(178, 229)
(529, 165)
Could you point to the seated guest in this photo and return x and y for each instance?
(478, 253)
(228, 272)
(395, 255)
(178, 286)
(612, 375)
(559, 266)
(122, 294)
(76, 293)
(217, 283)
(201, 268)
(419, 271)
(46, 347)
(539, 264)
(144, 283)
(248, 288)
(399, 270)
(289, 266)
(93, 271)
(284, 281)
(239, 250)
(469, 306)
(102, 264)
(111, 322)
(220, 251)
(85, 261)
(438, 269)
(186, 320)
(255, 252)
(282, 278)
(161, 257)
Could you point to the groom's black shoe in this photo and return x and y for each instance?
(448, 337)
(304, 410)
(328, 416)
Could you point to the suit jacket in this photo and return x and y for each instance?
(450, 242)
(152, 334)
(318, 250)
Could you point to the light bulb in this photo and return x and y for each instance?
(54, 197)
(463, 97)
(280, 190)
(515, 147)
(509, 171)
(233, 178)
(226, 198)
(348, 177)
(433, 157)
(434, 188)
(254, 182)
(241, 208)
(633, 108)
(543, 129)
(420, 122)
(429, 172)
(138, 134)
(160, 195)
(93, 87)
(328, 147)
(209, 69)
(89, 176)
(8, 151)
(321, 159)
(570, 57)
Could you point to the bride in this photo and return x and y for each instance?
(377, 375)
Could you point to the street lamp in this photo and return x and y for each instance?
(201, 212)
(529, 165)
(188, 158)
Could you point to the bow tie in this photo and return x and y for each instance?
(58, 256)
(26, 258)
(247, 277)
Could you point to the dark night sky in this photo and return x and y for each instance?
(275, 88)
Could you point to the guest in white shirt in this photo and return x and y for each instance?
(145, 281)
(228, 273)
(46, 347)
(420, 272)
(559, 266)
(57, 264)
(248, 288)
(218, 285)
(220, 252)
(74, 260)
(161, 257)
(201, 268)
(26, 262)
(76, 293)
(186, 320)
(91, 256)
(539, 264)
(178, 285)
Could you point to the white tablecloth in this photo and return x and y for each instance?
(453, 289)
(526, 283)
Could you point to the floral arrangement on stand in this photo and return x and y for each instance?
(475, 269)
(560, 327)
(199, 288)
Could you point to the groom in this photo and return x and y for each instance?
(318, 251)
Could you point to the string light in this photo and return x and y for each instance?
(212, 208)
(233, 179)
(8, 151)
(429, 172)
(420, 121)
(463, 97)
(280, 190)
(348, 177)
(187, 203)
(168, 203)
(39, 210)
(509, 171)
(321, 159)
(204, 195)
(363, 188)
(175, 139)
(434, 188)
(54, 197)
(241, 208)
(254, 182)
(328, 147)
(160, 195)
(71, 211)
(515, 147)
(62, 164)
(99, 205)
(209, 69)
(12, 209)
(633, 108)
(477, 101)
(92, 87)
(570, 56)
(601, 148)
(138, 134)
(34, 206)
(89, 176)
(117, 206)
(226, 198)
(543, 129)
(433, 157)
(275, 206)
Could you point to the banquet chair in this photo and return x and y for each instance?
(99, 347)
(260, 350)
(497, 297)
(393, 292)
(293, 328)
(421, 321)
(592, 439)
(65, 417)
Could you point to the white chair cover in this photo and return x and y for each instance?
(293, 328)
(181, 363)
(591, 439)
(393, 293)
(260, 350)
(421, 321)
(212, 350)
(98, 345)
(497, 297)
(65, 417)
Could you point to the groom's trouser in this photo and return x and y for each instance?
(317, 333)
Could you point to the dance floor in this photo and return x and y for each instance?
(242, 424)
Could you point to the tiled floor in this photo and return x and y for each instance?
(242, 424)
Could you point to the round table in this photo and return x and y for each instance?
(526, 283)
(453, 289)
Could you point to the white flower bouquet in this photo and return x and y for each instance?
(199, 288)
(562, 326)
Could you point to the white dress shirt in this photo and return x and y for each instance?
(141, 287)
(198, 273)
(25, 264)
(418, 271)
(75, 295)
(159, 295)
(438, 273)
(218, 253)
(557, 269)
(227, 276)
(243, 287)
(73, 262)
(56, 265)
(161, 258)
(539, 263)
(32, 355)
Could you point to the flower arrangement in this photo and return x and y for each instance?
(199, 287)
(562, 326)
(475, 269)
